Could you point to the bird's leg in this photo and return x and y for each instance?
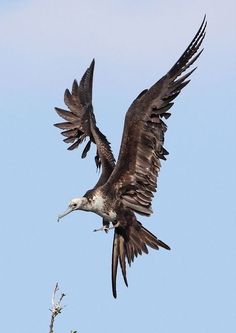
(106, 227)
(103, 228)
(115, 225)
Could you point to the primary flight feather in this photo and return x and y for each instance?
(126, 187)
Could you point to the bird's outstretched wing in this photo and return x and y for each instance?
(138, 165)
(81, 124)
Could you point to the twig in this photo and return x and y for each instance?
(56, 307)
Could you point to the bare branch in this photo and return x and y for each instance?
(56, 307)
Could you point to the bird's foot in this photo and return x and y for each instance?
(103, 228)
(106, 228)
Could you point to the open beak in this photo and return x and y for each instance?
(68, 211)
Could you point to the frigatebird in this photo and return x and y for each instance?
(126, 187)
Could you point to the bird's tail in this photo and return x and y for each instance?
(128, 243)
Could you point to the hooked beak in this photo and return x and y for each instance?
(68, 211)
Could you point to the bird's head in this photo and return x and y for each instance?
(74, 204)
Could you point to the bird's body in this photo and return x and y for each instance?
(126, 187)
(101, 204)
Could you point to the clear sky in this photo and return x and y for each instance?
(44, 46)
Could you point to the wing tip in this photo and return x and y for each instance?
(91, 67)
(164, 245)
(75, 85)
(93, 63)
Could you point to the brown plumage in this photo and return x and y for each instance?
(130, 240)
(127, 187)
(81, 124)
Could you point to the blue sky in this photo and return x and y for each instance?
(44, 46)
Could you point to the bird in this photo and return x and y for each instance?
(126, 187)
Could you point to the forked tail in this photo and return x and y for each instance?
(128, 243)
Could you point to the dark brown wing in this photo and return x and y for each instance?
(81, 124)
(138, 165)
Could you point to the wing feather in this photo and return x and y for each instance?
(142, 147)
(81, 124)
